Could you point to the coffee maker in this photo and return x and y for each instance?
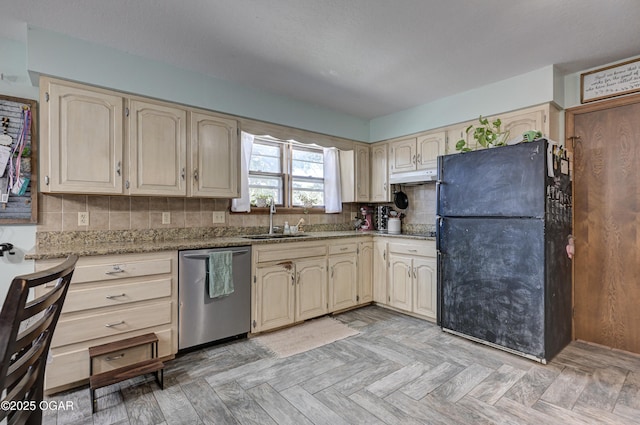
(381, 217)
(367, 218)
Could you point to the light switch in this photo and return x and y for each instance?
(166, 218)
(218, 217)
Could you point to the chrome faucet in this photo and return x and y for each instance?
(272, 211)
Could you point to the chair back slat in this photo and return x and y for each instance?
(26, 330)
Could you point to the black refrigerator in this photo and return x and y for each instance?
(504, 276)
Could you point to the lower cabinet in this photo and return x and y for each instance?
(112, 297)
(412, 278)
(296, 281)
(343, 272)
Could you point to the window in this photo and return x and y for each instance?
(287, 171)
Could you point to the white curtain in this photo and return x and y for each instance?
(332, 195)
(243, 203)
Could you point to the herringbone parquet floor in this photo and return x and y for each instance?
(398, 370)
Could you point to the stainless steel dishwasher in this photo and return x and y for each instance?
(203, 319)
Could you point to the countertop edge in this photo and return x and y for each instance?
(181, 244)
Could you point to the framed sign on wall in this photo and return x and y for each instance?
(611, 81)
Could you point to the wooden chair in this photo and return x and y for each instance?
(26, 329)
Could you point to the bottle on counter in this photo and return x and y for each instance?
(287, 229)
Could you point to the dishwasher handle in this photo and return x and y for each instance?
(206, 256)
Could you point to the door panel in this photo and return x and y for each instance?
(607, 195)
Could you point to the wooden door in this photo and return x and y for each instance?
(380, 271)
(403, 156)
(215, 155)
(365, 272)
(311, 288)
(400, 282)
(343, 284)
(606, 222)
(82, 139)
(428, 147)
(157, 149)
(424, 286)
(275, 297)
(362, 173)
(379, 171)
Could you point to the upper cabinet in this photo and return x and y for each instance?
(354, 174)
(544, 118)
(416, 153)
(157, 149)
(84, 148)
(82, 139)
(215, 157)
(380, 173)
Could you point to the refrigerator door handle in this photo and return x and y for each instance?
(438, 231)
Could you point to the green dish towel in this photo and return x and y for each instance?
(220, 274)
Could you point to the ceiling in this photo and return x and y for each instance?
(365, 58)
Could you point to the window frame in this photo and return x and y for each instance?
(286, 148)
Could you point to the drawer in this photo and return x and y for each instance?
(121, 270)
(114, 322)
(121, 358)
(343, 248)
(290, 253)
(69, 366)
(116, 294)
(426, 249)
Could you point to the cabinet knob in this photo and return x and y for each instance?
(195, 174)
(183, 173)
(119, 168)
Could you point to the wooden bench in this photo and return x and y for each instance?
(151, 365)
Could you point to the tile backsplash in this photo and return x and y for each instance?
(60, 213)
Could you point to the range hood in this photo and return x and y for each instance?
(428, 175)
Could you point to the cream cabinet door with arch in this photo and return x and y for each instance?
(362, 173)
(380, 173)
(380, 271)
(400, 282)
(428, 147)
(343, 283)
(215, 155)
(311, 288)
(424, 286)
(157, 140)
(82, 139)
(402, 155)
(274, 296)
(365, 272)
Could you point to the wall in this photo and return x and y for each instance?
(65, 57)
(15, 83)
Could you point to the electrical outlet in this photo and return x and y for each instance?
(354, 215)
(166, 218)
(218, 217)
(83, 218)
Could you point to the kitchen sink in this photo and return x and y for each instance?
(274, 236)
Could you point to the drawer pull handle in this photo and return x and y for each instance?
(115, 357)
(110, 325)
(413, 250)
(110, 297)
(116, 269)
(344, 249)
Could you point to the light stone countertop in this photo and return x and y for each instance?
(97, 248)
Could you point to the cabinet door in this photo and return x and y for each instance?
(400, 282)
(428, 148)
(83, 139)
(379, 174)
(343, 284)
(214, 160)
(365, 272)
(518, 123)
(157, 149)
(380, 271)
(275, 297)
(362, 173)
(402, 156)
(424, 286)
(311, 289)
